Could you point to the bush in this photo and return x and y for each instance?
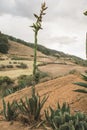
(2, 66)
(19, 58)
(9, 66)
(4, 46)
(22, 65)
(6, 80)
(74, 71)
(25, 80)
(5, 84)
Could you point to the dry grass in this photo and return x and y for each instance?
(21, 50)
(14, 73)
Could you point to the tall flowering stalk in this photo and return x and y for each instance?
(36, 27)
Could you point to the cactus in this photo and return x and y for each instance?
(67, 126)
(61, 119)
(67, 117)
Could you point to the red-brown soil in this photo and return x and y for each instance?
(56, 70)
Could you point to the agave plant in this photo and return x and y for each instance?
(82, 84)
(31, 107)
(10, 110)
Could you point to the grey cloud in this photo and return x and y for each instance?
(6, 6)
(58, 8)
(23, 8)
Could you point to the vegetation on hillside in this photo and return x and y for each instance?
(50, 52)
(4, 46)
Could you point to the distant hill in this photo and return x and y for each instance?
(46, 51)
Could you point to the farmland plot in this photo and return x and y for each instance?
(15, 72)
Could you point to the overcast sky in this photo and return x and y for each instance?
(64, 25)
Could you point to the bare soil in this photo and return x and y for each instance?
(56, 70)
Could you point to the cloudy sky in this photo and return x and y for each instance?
(64, 25)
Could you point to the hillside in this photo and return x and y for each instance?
(56, 90)
(62, 71)
(19, 49)
(43, 51)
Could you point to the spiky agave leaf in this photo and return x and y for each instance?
(84, 76)
(4, 108)
(39, 105)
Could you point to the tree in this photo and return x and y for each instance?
(4, 47)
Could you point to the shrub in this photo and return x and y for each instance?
(19, 58)
(25, 80)
(14, 62)
(40, 75)
(2, 67)
(7, 91)
(43, 74)
(6, 80)
(22, 65)
(74, 71)
(10, 110)
(9, 66)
